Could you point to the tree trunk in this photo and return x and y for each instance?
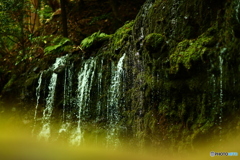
(34, 21)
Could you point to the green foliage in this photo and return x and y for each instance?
(21, 57)
(41, 40)
(94, 38)
(12, 24)
(59, 44)
(46, 13)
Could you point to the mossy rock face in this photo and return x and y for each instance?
(120, 37)
(154, 41)
(30, 81)
(236, 30)
(93, 41)
(189, 51)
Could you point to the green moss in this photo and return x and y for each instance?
(188, 51)
(118, 40)
(92, 40)
(154, 41)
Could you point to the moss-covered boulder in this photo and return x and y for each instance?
(120, 37)
(94, 41)
(190, 51)
(154, 41)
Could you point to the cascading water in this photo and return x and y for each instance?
(214, 100)
(221, 92)
(45, 132)
(47, 113)
(38, 90)
(216, 82)
(67, 98)
(80, 106)
(113, 102)
(85, 79)
(100, 76)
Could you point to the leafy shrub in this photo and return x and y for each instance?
(93, 39)
(60, 44)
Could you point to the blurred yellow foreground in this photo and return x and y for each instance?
(17, 144)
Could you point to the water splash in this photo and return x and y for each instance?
(113, 113)
(67, 99)
(221, 95)
(141, 26)
(85, 79)
(99, 103)
(45, 132)
(38, 89)
(47, 112)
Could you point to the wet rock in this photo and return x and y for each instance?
(59, 69)
(236, 30)
(154, 41)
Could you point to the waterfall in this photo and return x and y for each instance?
(45, 132)
(212, 83)
(113, 114)
(99, 104)
(85, 79)
(67, 98)
(83, 101)
(221, 93)
(38, 90)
